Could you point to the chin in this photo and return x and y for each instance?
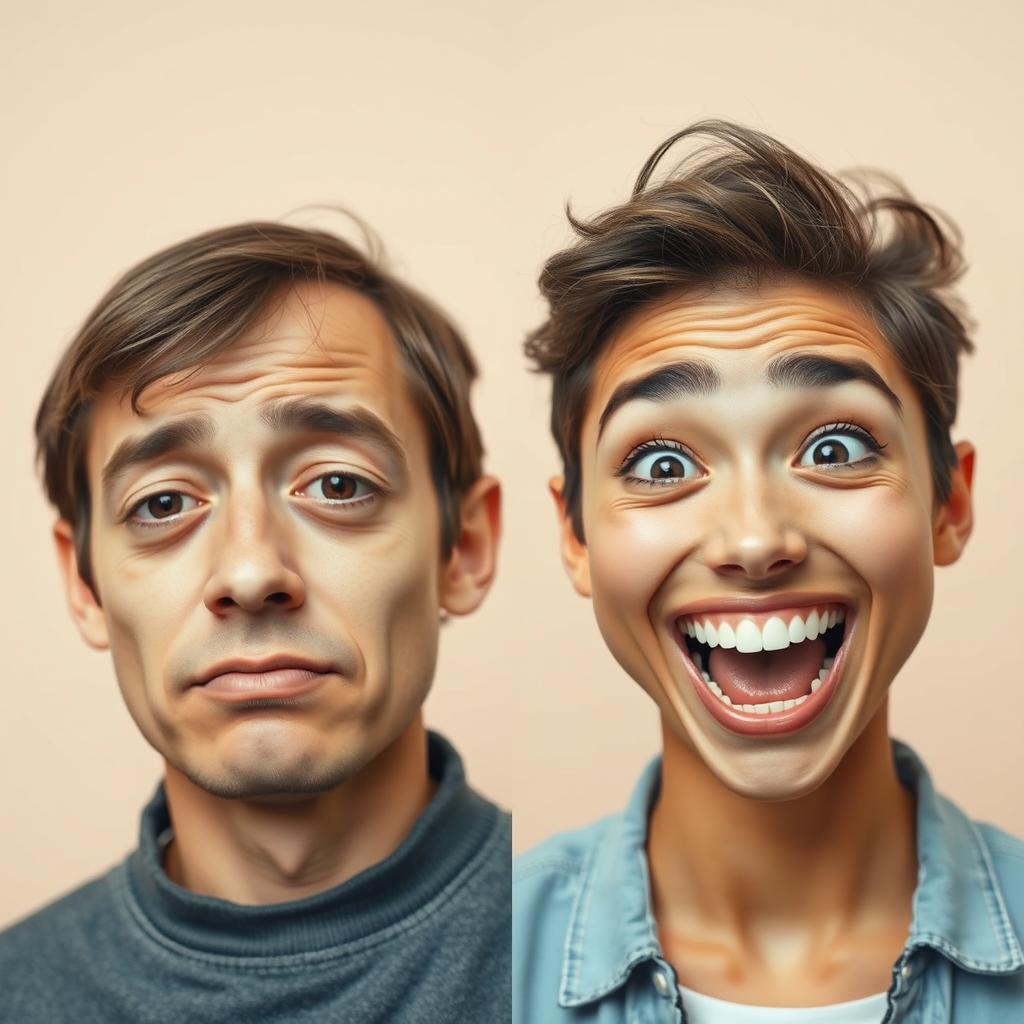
(768, 771)
(267, 769)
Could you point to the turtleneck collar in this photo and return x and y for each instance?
(445, 838)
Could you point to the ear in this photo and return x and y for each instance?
(85, 610)
(467, 576)
(575, 557)
(954, 520)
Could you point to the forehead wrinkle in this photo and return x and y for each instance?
(784, 317)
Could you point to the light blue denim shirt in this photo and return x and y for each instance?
(585, 944)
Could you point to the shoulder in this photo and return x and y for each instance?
(562, 855)
(43, 947)
(1006, 853)
(547, 878)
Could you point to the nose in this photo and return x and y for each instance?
(251, 570)
(755, 535)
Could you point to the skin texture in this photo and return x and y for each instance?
(782, 866)
(265, 555)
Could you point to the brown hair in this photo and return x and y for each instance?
(177, 309)
(744, 209)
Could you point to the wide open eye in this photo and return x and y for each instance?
(660, 463)
(836, 447)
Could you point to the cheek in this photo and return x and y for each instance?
(886, 537)
(383, 593)
(632, 552)
(146, 608)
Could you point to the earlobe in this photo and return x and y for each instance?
(85, 610)
(470, 569)
(575, 556)
(954, 519)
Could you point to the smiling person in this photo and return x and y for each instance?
(270, 492)
(754, 380)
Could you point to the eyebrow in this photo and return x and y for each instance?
(696, 377)
(291, 416)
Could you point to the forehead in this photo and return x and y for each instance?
(739, 331)
(324, 342)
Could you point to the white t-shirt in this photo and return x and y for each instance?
(702, 1009)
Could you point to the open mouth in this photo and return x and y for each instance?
(769, 671)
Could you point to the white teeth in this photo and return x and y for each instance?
(711, 633)
(777, 705)
(726, 636)
(828, 662)
(775, 635)
(749, 708)
(787, 704)
(699, 632)
(815, 685)
(800, 700)
(717, 690)
(811, 626)
(748, 638)
(761, 709)
(842, 615)
(797, 632)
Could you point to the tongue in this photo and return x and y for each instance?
(769, 675)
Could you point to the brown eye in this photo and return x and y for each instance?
(849, 446)
(340, 487)
(163, 506)
(668, 468)
(830, 452)
(662, 465)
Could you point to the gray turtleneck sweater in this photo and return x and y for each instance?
(424, 936)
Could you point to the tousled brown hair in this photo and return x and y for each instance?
(177, 309)
(746, 209)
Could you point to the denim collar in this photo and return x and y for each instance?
(958, 905)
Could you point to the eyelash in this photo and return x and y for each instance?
(661, 444)
(375, 492)
(860, 433)
(653, 445)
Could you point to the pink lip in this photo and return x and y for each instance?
(759, 604)
(273, 678)
(278, 684)
(775, 722)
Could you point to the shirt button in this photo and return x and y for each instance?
(661, 983)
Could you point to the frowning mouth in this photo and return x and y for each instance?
(766, 672)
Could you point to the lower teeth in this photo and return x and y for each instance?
(770, 706)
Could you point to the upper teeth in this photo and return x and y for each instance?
(776, 634)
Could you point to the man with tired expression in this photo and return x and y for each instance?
(270, 490)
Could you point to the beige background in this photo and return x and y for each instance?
(458, 131)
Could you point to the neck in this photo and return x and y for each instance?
(749, 872)
(261, 852)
